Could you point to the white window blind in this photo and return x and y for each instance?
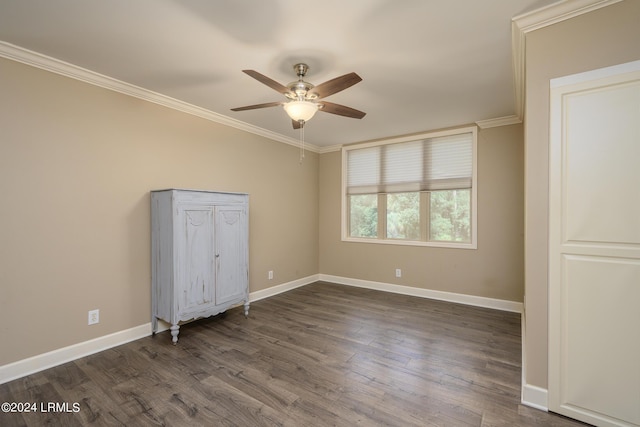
(448, 162)
(402, 167)
(441, 163)
(363, 170)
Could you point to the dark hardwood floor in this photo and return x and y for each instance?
(320, 355)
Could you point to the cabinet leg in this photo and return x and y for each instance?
(154, 325)
(175, 330)
(246, 309)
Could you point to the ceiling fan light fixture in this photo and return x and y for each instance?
(300, 110)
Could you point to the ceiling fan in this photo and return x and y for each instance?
(304, 99)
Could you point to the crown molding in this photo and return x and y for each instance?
(558, 12)
(66, 69)
(331, 148)
(535, 20)
(499, 121)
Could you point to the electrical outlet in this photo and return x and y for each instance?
(398, 272)
(94, 317)
(270, 274)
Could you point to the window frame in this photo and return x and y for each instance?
(382, 239)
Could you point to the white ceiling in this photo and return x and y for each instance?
(425, 64)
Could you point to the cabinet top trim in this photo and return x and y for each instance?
(199, 191)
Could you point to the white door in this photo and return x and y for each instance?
(594, 246)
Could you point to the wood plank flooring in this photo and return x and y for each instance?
(320, 355)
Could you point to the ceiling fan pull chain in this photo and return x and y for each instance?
(301, 141)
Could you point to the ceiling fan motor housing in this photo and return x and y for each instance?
(300, 90)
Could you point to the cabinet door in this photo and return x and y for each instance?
(196, 263)
(231, 253)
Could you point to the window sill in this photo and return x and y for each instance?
(448, 245)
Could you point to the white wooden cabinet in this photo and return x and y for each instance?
(199, 255)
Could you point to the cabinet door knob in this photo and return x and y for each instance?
(217, 255)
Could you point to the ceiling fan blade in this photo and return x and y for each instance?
(296, 124)
(267, 81)
(335, 85)
(253, 107)
(341, 110)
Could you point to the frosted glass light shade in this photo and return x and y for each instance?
(300, 110)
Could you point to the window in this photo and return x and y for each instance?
(418, 190)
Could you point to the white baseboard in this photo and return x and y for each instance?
(57, 357)
(536, 397)
(284, 287)
(493, 303)
(531, 395)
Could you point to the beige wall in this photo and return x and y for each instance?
(601, 38)
(77, 163)
(494, 270)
